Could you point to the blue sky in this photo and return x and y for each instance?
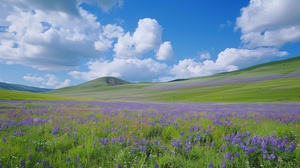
(56, 43)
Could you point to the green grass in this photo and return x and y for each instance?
(20, 95)
(265, 91)
(276, 90)
(81, 131)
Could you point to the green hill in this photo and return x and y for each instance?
(96, 85)
(271, 82)
(17, 87)
(274, 81)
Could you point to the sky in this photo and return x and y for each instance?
(59, 43)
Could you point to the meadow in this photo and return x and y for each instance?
(36, 133)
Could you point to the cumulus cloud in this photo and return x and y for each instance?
(48, 41)
(247, 57)
(106, 38)
(147, 37)
(106, 5)
(165, 51)
(48, 80)
(269, 23)
(204, 55)
(129, 69)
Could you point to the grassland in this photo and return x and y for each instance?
(97, 134)
(270, 82)
(21, 95)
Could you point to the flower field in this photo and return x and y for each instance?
(123, 134)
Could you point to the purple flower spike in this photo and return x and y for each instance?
(22, 163)
(155, 165)
(223, 164)
(0, 165)
(210, 165)
(292, 146)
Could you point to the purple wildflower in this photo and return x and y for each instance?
(69, 160)
(55, 131)
(223, 165)
(292, 146)
(0, 165)
(210, 165)
(155, 165)
(228, 155)
(22, 163)
(30, 157)
(271, 157)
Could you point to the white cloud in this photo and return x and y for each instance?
(48, 41)
(188, 68)
(109, 33)
(165, 51)
(106, 5)
(247, 57)
(147, 37)
(48, 80)
(204, 55)
(230, 59)
(269, 23)
(129, 69)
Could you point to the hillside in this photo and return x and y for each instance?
(93, 86)
(271, 82)
(274, 81)
(17, 87)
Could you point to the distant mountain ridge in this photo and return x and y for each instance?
(17, 87)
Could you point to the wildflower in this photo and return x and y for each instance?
(271, 157)
(228, 155)
(292, 146)
(50, 166)
(55, 131)
(155, 165)
(223, 164)
(0, 165)
(69, 160)
(30, 157)
(22, 163)
(223, 148)
(210, 165)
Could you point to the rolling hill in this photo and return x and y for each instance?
(96, 85)
(277, 81)
(17, 87)
(274, 81)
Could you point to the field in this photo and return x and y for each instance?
(37, 133)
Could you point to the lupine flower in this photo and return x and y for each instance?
(271, 157)
(50, 166)
(55, 131)
(223, 165)
(22, 163)
(292, 146)
(0, 165)
(69, 160)
(210, 165)
(30, 157)
(228, 155)
(223, 148)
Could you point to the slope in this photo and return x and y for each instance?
(96, 85)
(274, 81)
(17, 87)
